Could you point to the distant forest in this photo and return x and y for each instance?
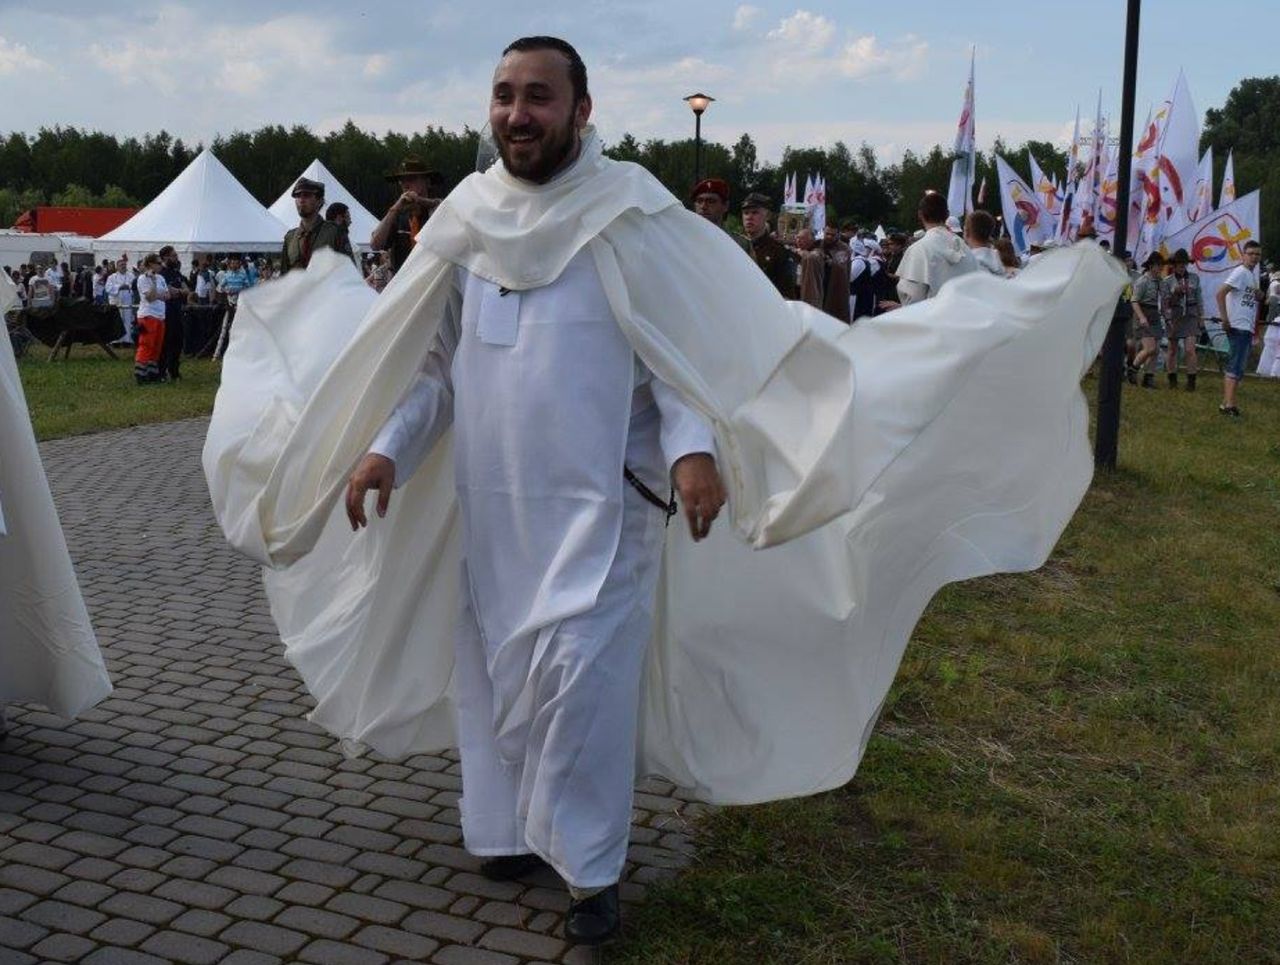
(64, 165)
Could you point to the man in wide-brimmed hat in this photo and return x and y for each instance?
(420, 192)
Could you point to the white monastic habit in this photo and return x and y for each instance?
(48, 653)
(931, 262)
(547, 402)
(988, 259)
(865, 465)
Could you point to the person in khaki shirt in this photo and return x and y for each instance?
(313, 231)
(768, 252)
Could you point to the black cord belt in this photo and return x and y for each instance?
(668, 506)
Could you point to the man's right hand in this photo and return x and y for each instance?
(374, 471)
(407, 200)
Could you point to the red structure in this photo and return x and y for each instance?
(94, 222)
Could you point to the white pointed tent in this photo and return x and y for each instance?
(204, 209)
(362, 222)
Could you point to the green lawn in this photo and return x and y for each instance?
(90, 392)
(1077, 765)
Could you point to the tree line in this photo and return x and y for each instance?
(66, 165)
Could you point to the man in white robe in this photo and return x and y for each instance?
(937, 257)
(48, 652)
(880, 460)
(549, 407)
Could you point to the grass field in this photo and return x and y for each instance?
(1076, 765)
(91, 393)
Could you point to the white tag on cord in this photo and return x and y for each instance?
(499, 316)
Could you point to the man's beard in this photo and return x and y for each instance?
(551, 154)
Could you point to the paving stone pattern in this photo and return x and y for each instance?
(196, 816)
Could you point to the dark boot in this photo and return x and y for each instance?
(508, 867)
(1173, 380)
(1131, 373)
(594, 920)
(1148, 380)
(1191, 381)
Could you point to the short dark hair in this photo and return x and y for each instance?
(577, 69)
(336, 208)
(933, 207)
(980, 225)
(1250, 245)
(166, 250)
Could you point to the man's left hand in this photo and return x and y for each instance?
(697, 482)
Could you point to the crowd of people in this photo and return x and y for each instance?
(845, 270)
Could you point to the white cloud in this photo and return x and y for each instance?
(864, 56)
(745, 16)
(804, 31)
(16, 57)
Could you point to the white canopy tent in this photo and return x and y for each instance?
(204, 209)
(362, 222)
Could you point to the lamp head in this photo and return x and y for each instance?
(698, 102)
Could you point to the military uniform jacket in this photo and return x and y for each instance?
(299, 245)
(776, 262)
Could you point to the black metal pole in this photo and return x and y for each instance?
(1111, 375)
(697, 147)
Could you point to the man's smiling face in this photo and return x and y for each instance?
(533, 115)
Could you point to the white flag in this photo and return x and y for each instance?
(818, 216)
(1202, 194)
(1046, 190)
(1144, 154)
(1216, 245)
(1108, 196)
(1068, 217)
(1228, 182)
(1024, 215)
(960, 191)
(1170, 170)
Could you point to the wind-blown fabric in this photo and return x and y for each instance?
(866, 467)
(48, 652)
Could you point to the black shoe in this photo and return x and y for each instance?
(1131, 374)
(507, 867)
(1230, 410)
(594, 920)
(1148, 381)
(1173, 380)
(1191, 381)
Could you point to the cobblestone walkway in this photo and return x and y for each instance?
(196, 816)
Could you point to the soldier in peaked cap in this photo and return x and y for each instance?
(767, 251)
(313, 231)
(420, 191)
(711, 200)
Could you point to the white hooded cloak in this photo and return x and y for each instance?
(866, 467)
(48, 652)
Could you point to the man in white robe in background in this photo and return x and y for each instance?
(548, 404)
(936, 258)
(48, 652)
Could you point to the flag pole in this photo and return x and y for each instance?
(1111, 375)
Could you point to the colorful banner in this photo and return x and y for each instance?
(1024, 216)
(1215, 245)
(1202, 196)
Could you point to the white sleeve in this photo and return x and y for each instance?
(857, 268)
(683, 431)
(911, 291)
(426, 411)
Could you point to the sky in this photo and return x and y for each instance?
(889, 73)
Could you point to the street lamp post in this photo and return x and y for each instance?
(697, 103)
(1111, 373)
